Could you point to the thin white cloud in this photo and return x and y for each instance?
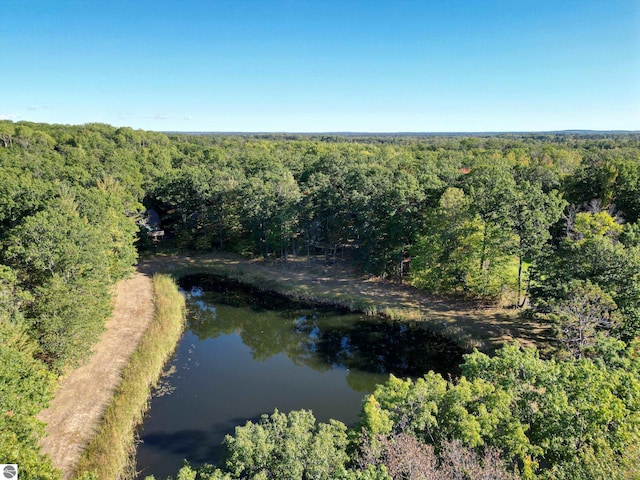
(10, 116)
(36, 107)
(158, 116)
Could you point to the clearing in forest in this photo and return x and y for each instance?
(476, 325)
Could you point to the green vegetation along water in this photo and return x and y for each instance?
(245, 354)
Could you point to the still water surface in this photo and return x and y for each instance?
(244, 354)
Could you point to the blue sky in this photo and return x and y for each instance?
(313, 66)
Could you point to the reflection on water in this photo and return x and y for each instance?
(246, 353)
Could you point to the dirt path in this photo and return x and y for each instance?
(488, 328)
(83, 395)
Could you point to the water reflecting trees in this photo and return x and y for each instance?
(318, 338)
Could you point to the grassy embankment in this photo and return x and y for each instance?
(468, 325)
(111, 453)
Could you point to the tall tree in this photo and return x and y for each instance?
(270, 209)
(586, 312)
(534, 212)
(492, 190)
(597, 256)
(113, 212)
(446, 256)
(61, 258)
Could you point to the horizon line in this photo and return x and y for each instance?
(579, 131)
(399, 133)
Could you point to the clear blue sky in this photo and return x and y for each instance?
(323, 65)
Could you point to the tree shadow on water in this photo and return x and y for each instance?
(187, 442)
(197, 446)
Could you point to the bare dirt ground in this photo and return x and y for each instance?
(83, 395)
(491, 327)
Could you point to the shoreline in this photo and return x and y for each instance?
(111, 452)
(463, 322)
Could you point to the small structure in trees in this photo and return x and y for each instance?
(150, 221)
(156, 235)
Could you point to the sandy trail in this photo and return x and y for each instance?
(83, 395)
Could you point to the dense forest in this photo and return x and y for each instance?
(543, 223)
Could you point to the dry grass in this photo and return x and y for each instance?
(111, 453)
(468, 324)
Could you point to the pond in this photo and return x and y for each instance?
(245, 353)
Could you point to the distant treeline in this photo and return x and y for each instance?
(547, 220)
